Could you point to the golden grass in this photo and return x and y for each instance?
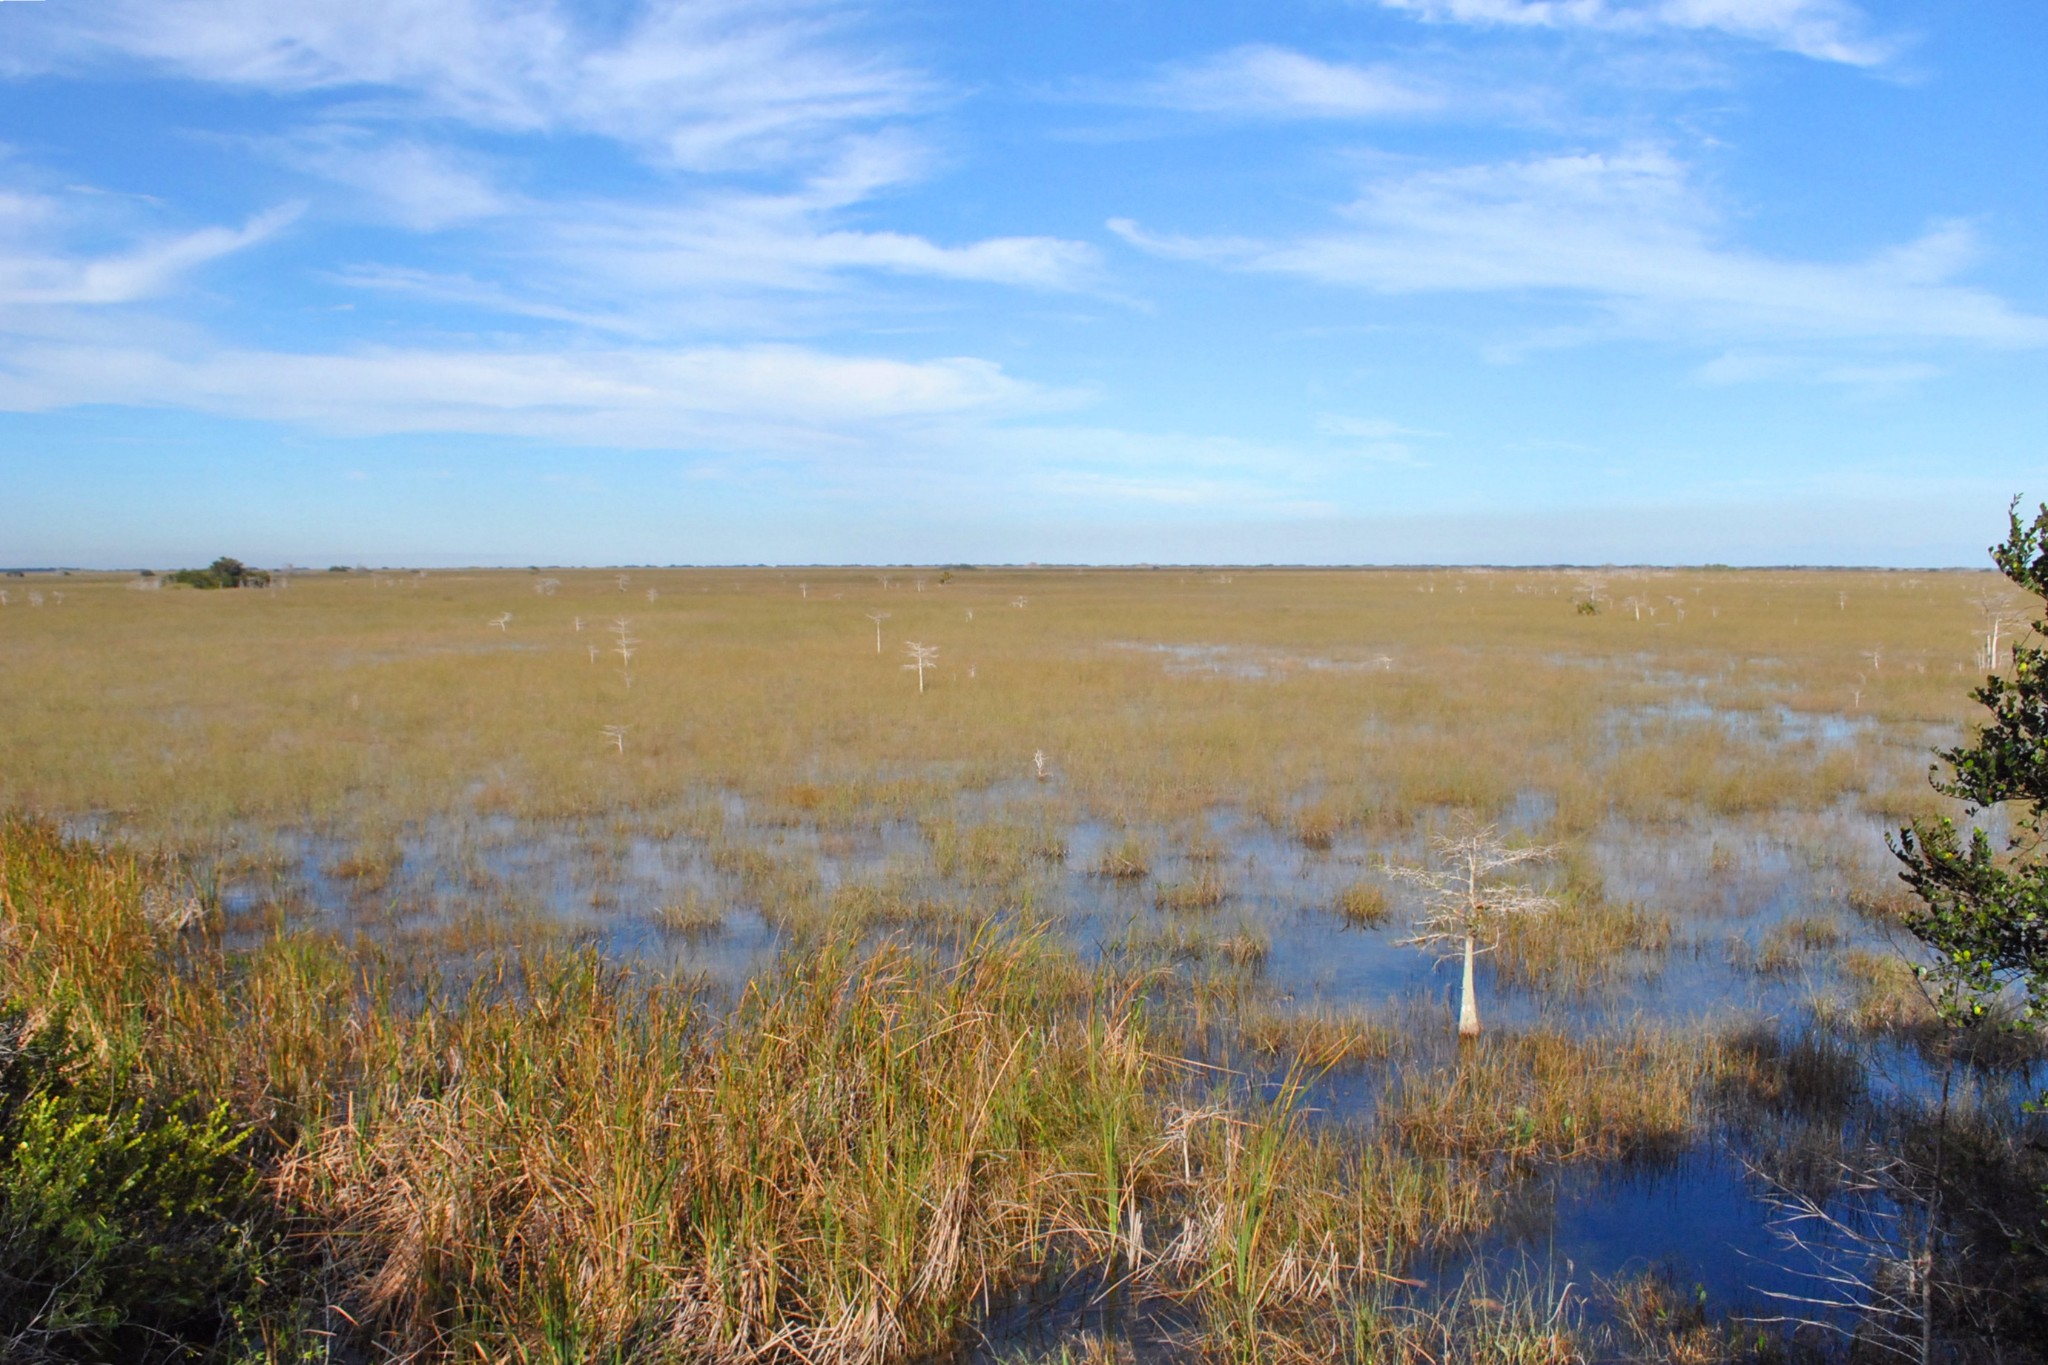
(1586, 941)
(1886, 996)
(1320, 1037)
(359, 703)
(694, 916)
(1203, 891)
(1363, 905)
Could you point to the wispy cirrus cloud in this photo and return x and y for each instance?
(704, 84)
(717, 100)
(1866, 376)
(411, 183)
(1826, 30)
(744, 242)
(789, 399)
(40, 267)
(1259, 80)
(624, 265)
(974, 434)
(1633, 237)
(760, 133)
(712, 97)
(1373, 438)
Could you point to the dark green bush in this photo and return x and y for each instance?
(222, 573)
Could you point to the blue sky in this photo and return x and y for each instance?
(530, 281)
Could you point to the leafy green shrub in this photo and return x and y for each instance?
(129, 1229)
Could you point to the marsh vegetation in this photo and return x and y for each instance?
(493, 983)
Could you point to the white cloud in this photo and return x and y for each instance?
(1366, 428)
(414, 184)
(1176, 492)
(1277, 82)
(1632, 235)
(1373, 438)
(36, 271)
(648, 270)
(1871, 376)
(630, 266)
(1828, 30)
(712, 92)
(757, 399)
(704, 83)
(466, 291)
(749, 241)
(728, 238)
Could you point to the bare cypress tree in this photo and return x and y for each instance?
(1466, 906)
(625, 647)
(921, 658)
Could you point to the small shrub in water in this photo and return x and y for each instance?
(1129, 859)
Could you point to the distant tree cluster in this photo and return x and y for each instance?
(223, 573)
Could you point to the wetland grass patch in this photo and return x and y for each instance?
(847, 1164)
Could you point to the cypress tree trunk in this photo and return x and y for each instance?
(1468, 1008)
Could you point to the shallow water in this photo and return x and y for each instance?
(1699, 1222)
(1697, 1218)
(1727, 885)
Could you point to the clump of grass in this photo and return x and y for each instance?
(826, 1152)
(1889, 997)
(1248, 944)
(1663, 1323)
(1886, 904)
(996, 854)
(1586, 941)
(694, 916)
(1316, 827)
(1086, 1348)
(1786, 944)
(784, 887)
(1515, 1321)
(1318, 1037)
(1129, 859)
(1812, 931)
(804, 797)
(1204, 891)
(1802, 1071)
(1363, 905)
(1547, 1095)
(370, 870)
(1170, 941)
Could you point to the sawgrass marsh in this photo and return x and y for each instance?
(657, 972)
